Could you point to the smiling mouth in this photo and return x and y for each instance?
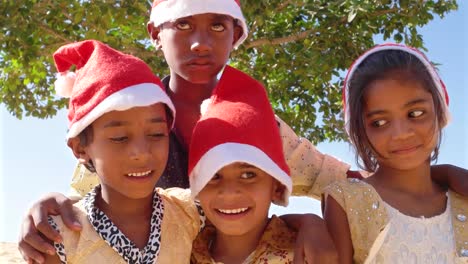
(233, 211)
(405, 150)
(140, 174)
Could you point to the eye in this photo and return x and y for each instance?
(219, 27)
(379, 123)
(416, 113)
(183, 25)
(157, 135)
(248, 175)
(215, 178)
(118, 139)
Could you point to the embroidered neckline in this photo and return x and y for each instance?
(110, 233)
(435, 218)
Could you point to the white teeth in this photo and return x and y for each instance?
(139, 174)
(233, 211)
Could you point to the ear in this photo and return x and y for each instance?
(78, 150)
(154, 34)
(237, 33)
(278, 191)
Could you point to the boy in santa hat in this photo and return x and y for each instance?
(119, 120)
(237, 169)
(196, 38)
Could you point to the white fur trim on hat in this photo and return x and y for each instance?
(64, 83)
(224, 154)
(171, 10)
(143, 94)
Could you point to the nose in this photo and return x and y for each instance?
(201, 41)
(139, 149)
(402, 129)
(228, 189)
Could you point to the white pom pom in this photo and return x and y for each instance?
(64, 83)
(204, 106)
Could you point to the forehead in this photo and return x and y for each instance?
(394, 93)
(135, 114)
(208, 17)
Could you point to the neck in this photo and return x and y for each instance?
(416, 181)
(229, 249)
(187, 92)
(120, 208)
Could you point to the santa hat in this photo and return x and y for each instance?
(105, 80)
(393, 46)
(164, 11)
(238, 126)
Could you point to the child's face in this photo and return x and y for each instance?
(237, 199)
(129, 150)
(400, 122)
(197, 47)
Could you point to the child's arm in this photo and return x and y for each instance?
(338, 226)
(454, 177)
(310, 170)
(313, 243)
(36, 230)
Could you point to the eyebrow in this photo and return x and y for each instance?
(116, 123)
(244, 165)
(408, 104)
(214, 17)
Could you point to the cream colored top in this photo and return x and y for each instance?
(179, 227)
(370, 220)
(413, 239)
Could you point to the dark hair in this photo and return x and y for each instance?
(382, 65)
(86, 137)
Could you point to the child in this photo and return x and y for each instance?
(395, 109)
(120, 118)
(196, 38)
(237, 168)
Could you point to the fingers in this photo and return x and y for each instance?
(29, 254)
(31, 237)
(68, 215)
(39, 215)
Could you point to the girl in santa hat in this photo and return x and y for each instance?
(395, 109)
(119, 120)
(196, 38)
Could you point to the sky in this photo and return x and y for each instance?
(35, 160)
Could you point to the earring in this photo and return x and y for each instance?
(90, 166)
(155, 44)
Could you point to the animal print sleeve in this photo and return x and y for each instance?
(59, 247)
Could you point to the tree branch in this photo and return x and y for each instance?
(306, 33)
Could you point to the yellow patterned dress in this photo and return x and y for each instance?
(276, 245)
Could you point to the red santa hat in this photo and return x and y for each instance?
(164, 11)
(238, 126)
(105, 80)
(393, 46)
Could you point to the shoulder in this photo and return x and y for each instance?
(176, 195)
(349, 190)
(179, 204)
(279, 235)
(200, 247)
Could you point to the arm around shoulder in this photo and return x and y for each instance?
(454, 177)
(310, 169)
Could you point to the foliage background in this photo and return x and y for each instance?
(298, 48)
